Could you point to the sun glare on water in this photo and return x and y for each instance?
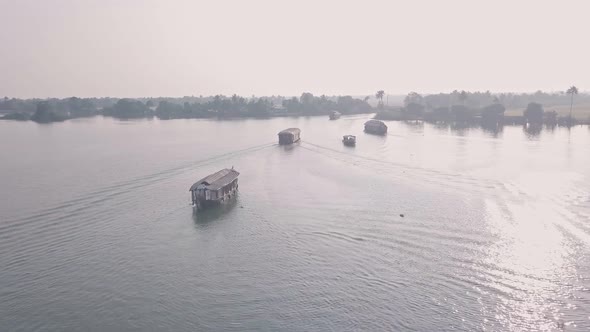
(535, 239)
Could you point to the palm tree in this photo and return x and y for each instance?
(379, 96)
(572, 91)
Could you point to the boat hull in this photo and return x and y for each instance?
(203, 204)
(372, 131)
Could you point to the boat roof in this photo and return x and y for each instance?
(216, 180)
(290, 131)
(374, 123)
(349, 136)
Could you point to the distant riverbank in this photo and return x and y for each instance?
(460, 107)
(491, 115)
(54, 110)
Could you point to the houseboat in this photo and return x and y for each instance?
(375, 127)
(289, 136)
(349, 140)
(215, 189)
(334, 115)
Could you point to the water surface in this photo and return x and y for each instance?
(96, 231)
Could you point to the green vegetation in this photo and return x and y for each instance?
(571, 91)
(490, 110)
(181, 108)
(463, 97)
(534, 113)
(493, 113)
(17, 116)
(239, 107)
(308, 104)
(379, 96)
(45, 113)
(128, 109)
(457, 106)
(50, 110)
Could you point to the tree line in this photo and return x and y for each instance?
(459, 106)
(484, 107)
(478, 99)
(218, 106)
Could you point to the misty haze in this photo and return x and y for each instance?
(294, 165)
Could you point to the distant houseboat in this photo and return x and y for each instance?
(349, 140)
(289, 136)
(215, 189)
(335, 115)
(375, 127)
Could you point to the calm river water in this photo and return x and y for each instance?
(96, 231)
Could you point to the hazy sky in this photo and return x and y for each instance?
(134, 48)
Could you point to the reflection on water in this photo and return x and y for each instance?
(532, 131)
(495, 234)
(211, 214)
(289, 148)
(535, 255)
(415, 125)
(494, 129)
(461, 128)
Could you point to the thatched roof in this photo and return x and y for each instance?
(375, 123)
(291, 131)
(216, 180)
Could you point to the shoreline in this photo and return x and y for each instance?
(507, 121)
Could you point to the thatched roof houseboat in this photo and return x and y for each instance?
(289, 136)
(216, 188)
(375, 127)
